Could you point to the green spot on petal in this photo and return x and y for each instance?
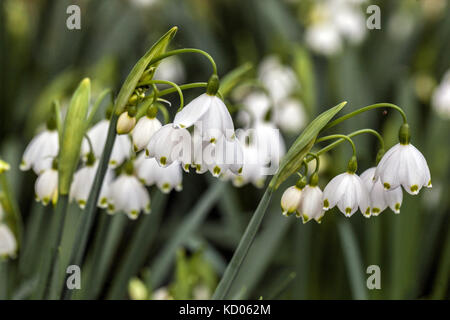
(326, 204)
(216, 170)
(163, 161)
(348, 210)
(386, 185)
(414, 188)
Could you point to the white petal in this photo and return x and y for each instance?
(311, 206)
(40, 152)
(393, 199)
(46, 186)
(334, 190)
(216, 121)
(8, 244)
(193, 111)
(143, 131)
(290, 200)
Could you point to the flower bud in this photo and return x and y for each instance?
(290, 200)
(137, 290)
(125, 123)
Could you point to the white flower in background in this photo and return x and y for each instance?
(40, 151)
(291, 116)
(8, 244)
(161, 294)
(168, 144)
(404, 165)
(381, 198)
(348, 192)
(143, 132)
(280, 80)
(145, 3)
(323, 38)
(209, 114)
(171, 69)
(311, 206)
(97, 135)
(290, 200)
(166, 178)
(440, 101)
(46, 186)
(252, 170)
(128, 194)
(269, 142)
(256, 103)
(350, 22)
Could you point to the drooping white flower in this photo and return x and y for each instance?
(280, 80)
(223, 155)
(41, 151)
(128, 194)
(348, 192)
(257, 103)
(311, 206)
(404, 165)
(143, 132)
(169, 144)
(351, 23)
(290, 200)
(97, 135)
(209, 114)
(291, 116)
(46, 186)
(381, 198)
(166, 178)
(440, 101)
(8, 243)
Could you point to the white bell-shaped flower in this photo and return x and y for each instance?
(323, 38)
(209, 114)
(128, 194)
(143, 131)
(291, 116)
(8, 243)
(40, 151)
(440, 101)
(97, 135)
(269, 142)
(404, 165)
(348, 192)
(311, 206)
(290, 200)
(168, 144)
(381, 198)
(166, 178)
(46, 186)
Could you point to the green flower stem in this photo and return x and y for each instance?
(353, 260)
(440, 287)
(364, 109)
(91, 205)
(337, 136)
(48, 263)
(97, 105)
(173, 84)
(186, 50)
(141, 242)
(192, 85)
(243, 247)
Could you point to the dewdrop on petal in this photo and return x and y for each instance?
(8, 243)
(381, 198)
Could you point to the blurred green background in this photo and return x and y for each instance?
(188, 240)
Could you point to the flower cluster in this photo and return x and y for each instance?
(376, 189)
(332, 22)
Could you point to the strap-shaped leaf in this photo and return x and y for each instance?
(135, 75)
(72, 135)
(293, 159)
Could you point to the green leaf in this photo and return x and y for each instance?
(293, 159)
(73, 132)
(136, 73)
(234, 77)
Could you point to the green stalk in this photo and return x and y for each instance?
(51, 252)
(173, 84)
(353, 260)
(91, 205)
(4, 279)
(442, 277)
(364, 109)
(185, 50)
(160, 267)
(140, 244)
(243, 247)
(183, 87)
